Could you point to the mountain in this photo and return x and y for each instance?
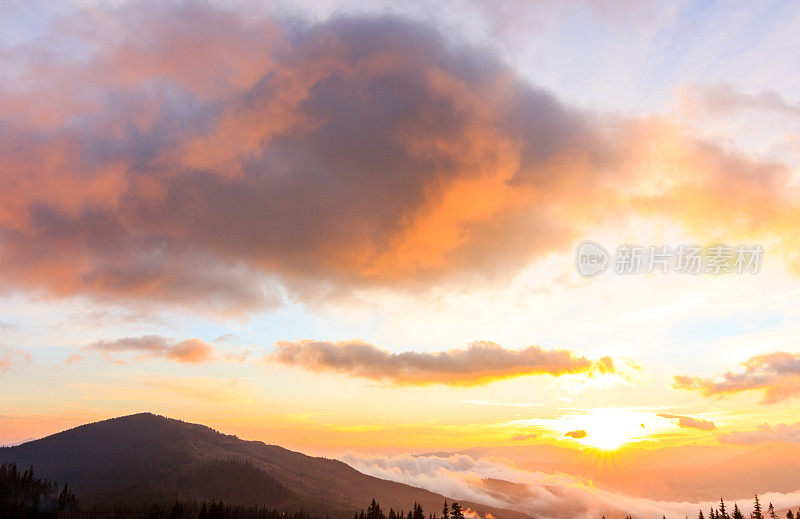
(144, 457)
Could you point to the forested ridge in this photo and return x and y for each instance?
(25, 496)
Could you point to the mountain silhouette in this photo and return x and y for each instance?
(144, 457)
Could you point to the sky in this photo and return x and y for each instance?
(351, 229)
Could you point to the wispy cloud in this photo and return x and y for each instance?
(10, 355)
(776, 374)
(764, 433)
(688, 422)
(151, 346)
(524, 436)
(8, 327)
(479, 363)
(502, 404)
(723, 99)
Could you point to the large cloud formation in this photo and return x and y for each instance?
(776, 374)
(479, 363)
(179, 153)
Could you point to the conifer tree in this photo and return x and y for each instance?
(177, 511)
(771, 512)
(455, 511)
(722, 514)
(700, 516)
(374, 511)
(737, 514)
(445, 511)
(757, 509)
(790, 515)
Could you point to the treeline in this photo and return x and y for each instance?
(721, 512)
(190, 510)
(374, 511)
(24, 496)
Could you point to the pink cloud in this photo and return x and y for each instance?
(688, 422)
(152, 346)
(777, 375)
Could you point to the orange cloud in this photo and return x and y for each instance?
(358, 152)
(523, 437)
(576, 434)
(479, 363)
(186, 351)
(688, 422)
(776, 374)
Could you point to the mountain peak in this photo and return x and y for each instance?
(128, 456)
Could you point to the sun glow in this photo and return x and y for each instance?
(607, 428)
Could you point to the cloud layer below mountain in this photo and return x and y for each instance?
(495, 482)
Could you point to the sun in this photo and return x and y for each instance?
(606, 429)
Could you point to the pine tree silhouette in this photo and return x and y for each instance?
(771, 512)
(723, 514)
(757, 509)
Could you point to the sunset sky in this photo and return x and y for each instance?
(350, 228)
